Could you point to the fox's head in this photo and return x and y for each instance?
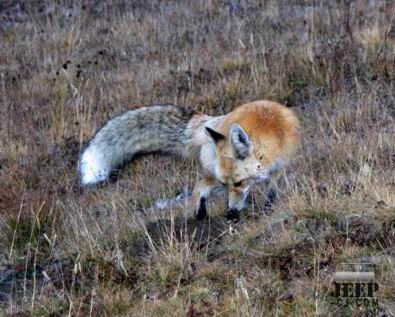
(236, 164)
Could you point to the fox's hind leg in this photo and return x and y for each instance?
(201, 191)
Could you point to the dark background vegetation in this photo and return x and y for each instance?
(68, 66)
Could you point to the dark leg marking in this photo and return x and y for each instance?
(202, 211)
(271, 198)
(233, 215)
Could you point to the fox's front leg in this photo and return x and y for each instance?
(201, 191)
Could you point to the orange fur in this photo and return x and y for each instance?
(272, 128)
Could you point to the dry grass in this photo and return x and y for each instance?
(66, 68)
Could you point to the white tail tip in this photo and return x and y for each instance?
(92, 167)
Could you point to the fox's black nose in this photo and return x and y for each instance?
(233, 215)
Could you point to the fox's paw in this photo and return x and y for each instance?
(233, 215)
(202, 211)
(271, 198)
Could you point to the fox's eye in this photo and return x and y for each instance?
(237, 184)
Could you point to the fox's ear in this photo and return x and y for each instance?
(216, 136)
(240, 141)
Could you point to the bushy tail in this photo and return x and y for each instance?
(144, 130)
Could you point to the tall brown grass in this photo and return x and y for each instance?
(66, 67)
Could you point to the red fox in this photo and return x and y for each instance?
(234, 149)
